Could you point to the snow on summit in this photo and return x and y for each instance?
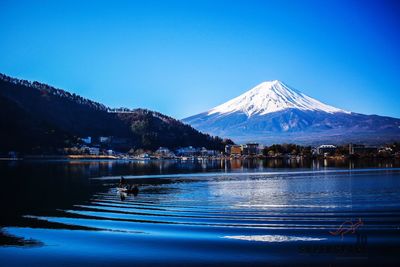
(269, 97)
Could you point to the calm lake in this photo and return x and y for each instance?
(272, 212)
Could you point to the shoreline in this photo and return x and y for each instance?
(185, 159)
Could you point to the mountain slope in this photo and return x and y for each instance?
(35, 116)
(272, 112)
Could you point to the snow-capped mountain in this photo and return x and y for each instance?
(269, 97)
(272, 112)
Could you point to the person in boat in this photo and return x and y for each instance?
(122, 182)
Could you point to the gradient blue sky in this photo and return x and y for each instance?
(184, 57)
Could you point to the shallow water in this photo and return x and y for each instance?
(71, 213)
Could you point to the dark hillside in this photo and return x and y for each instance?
(36, 116)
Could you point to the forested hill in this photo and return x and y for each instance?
(39, 117)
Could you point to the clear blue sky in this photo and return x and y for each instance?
(184, 57)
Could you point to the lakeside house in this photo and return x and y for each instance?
(233, 150)
(87, 140)
(252, 149)
(249, 149)
(191, 151)
(187, 151)
(204, 152)
(90, 150)
(362, 150)
(105, 139)
(94, 151)
(164, 152)
(325, 150)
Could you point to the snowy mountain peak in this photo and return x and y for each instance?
(269, 97)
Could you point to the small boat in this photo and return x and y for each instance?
(132, 190)
(122, 189)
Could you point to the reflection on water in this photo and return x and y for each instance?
(10, 240)
(62, 214)
(274, 238)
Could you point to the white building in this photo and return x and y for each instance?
(323, 149)
(187, 151)
(87, 140)
(104, 139)
(94, 150)
(208, 153)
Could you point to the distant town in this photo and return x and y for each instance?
(101, 148)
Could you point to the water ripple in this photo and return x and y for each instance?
(232, 213)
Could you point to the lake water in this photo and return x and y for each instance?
(330, 213)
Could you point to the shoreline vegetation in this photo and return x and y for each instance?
(245, 152)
